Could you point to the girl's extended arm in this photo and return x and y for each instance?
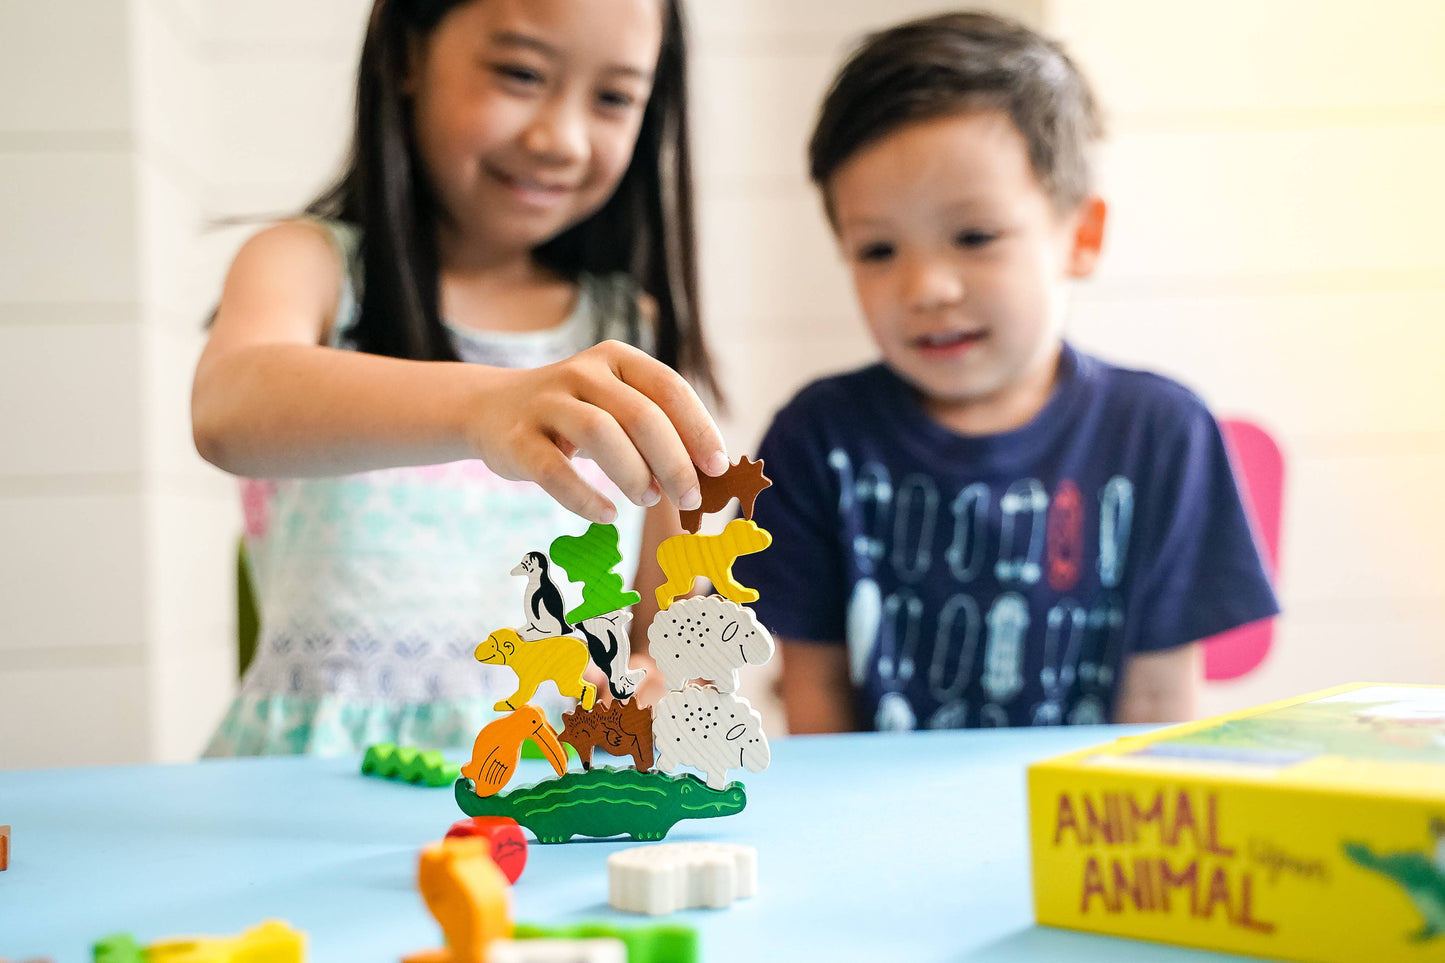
(270, 401)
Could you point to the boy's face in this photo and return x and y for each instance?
(960, 258)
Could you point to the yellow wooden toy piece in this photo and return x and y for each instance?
(498, 749)
(560, 658)
(684, 558)
(467, 895)
(271, 942)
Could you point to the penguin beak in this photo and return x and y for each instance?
(546, 740)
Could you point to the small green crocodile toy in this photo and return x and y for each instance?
(659, 943)
(409, 764)
(606, 802)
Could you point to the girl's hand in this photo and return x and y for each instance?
(633, 415)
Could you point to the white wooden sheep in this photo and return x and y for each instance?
(710, 731)
(707, 638)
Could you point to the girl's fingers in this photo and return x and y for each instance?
(651, 432)
(554, 472)
(670, 392)
(594, 432)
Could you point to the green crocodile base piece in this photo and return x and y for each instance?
(659, 943)
(408, 764)
(606, 802)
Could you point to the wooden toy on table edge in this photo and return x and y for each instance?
(273, 941)
(467, 896)
(508, 845)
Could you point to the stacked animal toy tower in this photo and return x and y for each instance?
(706, 727)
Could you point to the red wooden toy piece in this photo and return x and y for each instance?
(4, 847)
(509, 846)
(742, 481)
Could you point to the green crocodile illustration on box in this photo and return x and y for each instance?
(606, 802)
(659, 943)
(1417, 875)
(409, 764)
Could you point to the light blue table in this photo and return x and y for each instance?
(888, 848)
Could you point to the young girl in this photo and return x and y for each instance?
(505, 272)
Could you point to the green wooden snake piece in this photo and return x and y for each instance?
(408, 764)
(588, 558)
(659, 943)
(606, 802)
(117, 948)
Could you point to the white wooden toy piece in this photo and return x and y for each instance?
(600, 950)
(710, 731)
(710, 638)
(666, 877)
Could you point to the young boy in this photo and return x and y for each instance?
(988, 528)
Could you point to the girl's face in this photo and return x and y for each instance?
(526, 113)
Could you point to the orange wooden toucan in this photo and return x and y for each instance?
(498, 749)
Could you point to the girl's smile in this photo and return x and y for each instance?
(526, 113)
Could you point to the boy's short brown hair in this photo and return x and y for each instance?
(957, 62)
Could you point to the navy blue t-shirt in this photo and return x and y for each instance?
(1001, 580)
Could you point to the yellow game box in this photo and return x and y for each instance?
(1309, 829)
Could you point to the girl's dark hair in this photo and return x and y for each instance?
(958, 62)
(645, 228)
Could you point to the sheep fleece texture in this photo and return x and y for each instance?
(710, 731)
(707, 638)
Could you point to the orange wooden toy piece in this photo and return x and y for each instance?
(467, 895)
(742, 481)
(498, 749)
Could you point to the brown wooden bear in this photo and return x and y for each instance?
(618, 729)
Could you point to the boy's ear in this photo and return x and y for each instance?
(1088, 239)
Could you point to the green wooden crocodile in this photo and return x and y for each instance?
(606, 802)
(408, 764)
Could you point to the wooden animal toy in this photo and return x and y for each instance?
(467, 896)
(588, 558)
(710, 731)
(498, 748)
(666, 877)
(606, 802)
(545, 950)
(654, 943)
(270, 942)
(561, 659)
(686, 557)
(387, 760)
(742, 481)
(610, 647)
(509, 846)
(619, 729)
(543, 602)
(709, 637)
